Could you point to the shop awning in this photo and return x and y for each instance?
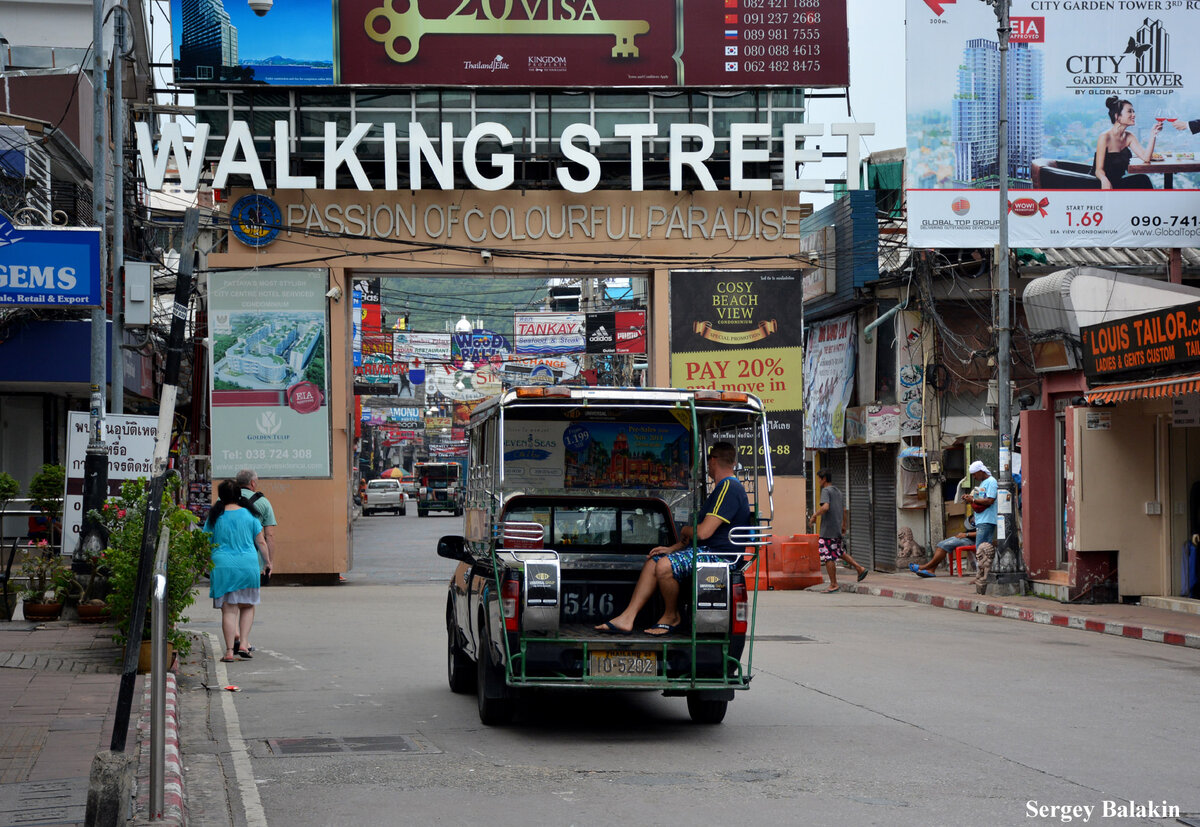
(1146, 389)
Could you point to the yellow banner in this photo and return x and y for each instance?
(773, 374)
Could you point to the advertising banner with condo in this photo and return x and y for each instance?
(729, 331)
(1103, 116)
(270, 387)
(828, 381)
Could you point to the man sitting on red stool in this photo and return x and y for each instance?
(944, 549)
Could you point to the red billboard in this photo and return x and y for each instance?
(592, 43)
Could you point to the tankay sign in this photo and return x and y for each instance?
(1119, 81)
(43, 267)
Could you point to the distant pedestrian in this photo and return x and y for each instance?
(830, 542)
(237, 544)
(261, 508)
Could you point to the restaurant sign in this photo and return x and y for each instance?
(1162, 337)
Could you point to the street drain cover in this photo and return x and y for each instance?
(337, 745)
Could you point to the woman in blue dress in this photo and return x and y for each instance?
(237, 543)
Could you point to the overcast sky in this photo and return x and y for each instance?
(876, 84)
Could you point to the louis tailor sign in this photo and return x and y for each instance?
(57, 267)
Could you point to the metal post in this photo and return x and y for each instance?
(158, 676)
(117, 392)
(95, 466)
(1008, 571)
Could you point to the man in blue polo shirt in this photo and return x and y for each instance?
(667, 566)
(982, 500)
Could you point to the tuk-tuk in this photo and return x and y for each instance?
(569, 490)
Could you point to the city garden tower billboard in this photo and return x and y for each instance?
(1116, 79)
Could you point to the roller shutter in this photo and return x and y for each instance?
(858, 500)
(883, 511)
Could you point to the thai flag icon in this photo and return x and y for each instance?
(731, 34)
(731, 51)
(731, 66)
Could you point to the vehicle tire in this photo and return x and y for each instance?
(492, 711)
(421, 512)
(706, 710)
(460, 669)
(402, 512)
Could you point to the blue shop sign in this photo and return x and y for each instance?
(57, 267)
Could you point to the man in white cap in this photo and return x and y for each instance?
(982, 500)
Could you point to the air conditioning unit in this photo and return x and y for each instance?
(22, 157)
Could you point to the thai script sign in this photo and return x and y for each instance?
(129, 440)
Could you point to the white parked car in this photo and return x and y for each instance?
(383, 495)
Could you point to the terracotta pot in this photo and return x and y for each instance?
(144, 656)
(41, 612)
(92, 612)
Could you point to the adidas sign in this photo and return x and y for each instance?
(600, 335)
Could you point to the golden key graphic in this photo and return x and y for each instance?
(410, 26)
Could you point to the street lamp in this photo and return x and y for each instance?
(1007, 575)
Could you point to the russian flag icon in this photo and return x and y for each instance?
(731, 34)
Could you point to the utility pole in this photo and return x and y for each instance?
(1008, 574)
(95, 464)
(117, 393)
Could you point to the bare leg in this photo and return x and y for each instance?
(229, 622)
(245, 621)
(831, 570)
(853, 563)
(669, 587)
(938, 556)
(647, 582)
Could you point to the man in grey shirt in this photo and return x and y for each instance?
(829, 543)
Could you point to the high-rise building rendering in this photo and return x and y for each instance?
(209, 42)
(974, 120)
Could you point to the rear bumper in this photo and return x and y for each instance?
(709, 664)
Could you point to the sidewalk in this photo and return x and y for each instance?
(944, 591)
(58, 696)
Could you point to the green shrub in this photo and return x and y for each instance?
(188, 557)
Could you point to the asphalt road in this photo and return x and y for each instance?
(863, 710)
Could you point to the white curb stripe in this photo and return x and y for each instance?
(255, 817)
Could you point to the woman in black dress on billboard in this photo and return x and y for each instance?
(1118, 145)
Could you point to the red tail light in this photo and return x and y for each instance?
(741, 609)
(510, 601)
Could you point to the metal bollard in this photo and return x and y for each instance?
(158, 675)
(158, 694)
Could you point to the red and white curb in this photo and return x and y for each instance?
(173, 810)
(1052, 618)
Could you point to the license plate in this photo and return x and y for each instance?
(610, 664)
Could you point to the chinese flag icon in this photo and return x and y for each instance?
(730, 19)
(731, 4)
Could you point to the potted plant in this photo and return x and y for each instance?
(91, 584)
(9, 489)
(46, 491)
(188, 557)
(47, 581)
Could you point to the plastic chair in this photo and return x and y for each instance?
(957, 559)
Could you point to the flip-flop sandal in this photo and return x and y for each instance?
(607, 628)
(862, 574)
(662, 629)
(913, 568)
(227, 659)
(923, 573)
(243, 653)
(830, 591)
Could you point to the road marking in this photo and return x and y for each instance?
(255, 817)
